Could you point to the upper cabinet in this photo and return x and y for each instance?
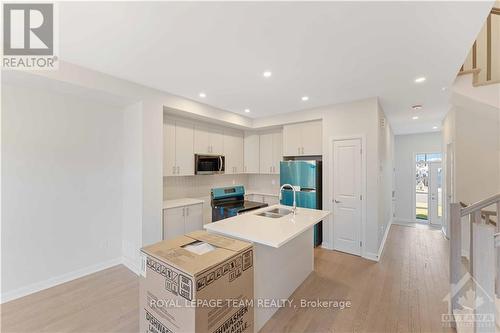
(303, 139)
(251, 152)
(178, 157)
(233, 151)
(271, 152)
(208, 139)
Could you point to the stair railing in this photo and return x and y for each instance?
(484, 265)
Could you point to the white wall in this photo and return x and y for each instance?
(406, 146)
(62, 183)
(132, 185)
(386, 176)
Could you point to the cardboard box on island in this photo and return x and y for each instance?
(199, 282)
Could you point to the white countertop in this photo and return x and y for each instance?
(181, 202)
(273, 232)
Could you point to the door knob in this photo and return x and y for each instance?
(336, 201)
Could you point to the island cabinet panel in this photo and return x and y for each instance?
(208, 139)
(303, 139)
(251, 153)
(178, 221)
(233, 151)
(178, 140)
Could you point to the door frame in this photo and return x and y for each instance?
(414, 188)
(431, 164)
(331, 194)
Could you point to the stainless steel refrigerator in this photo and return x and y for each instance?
(306, 175)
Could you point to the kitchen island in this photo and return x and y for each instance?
(284, 253)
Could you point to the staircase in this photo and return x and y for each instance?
(483, 60)
(475, 283)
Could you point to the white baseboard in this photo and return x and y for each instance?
(382, 245)
(370, 256)
(38, 286)
(132, 265)
(327, 246)
(376, 256)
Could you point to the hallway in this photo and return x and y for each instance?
(401, 293)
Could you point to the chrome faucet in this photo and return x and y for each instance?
(294, 209)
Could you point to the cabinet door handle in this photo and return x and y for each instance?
(173, 170)
(183, 211)
(298, 150)
(187, 211)
(270, 169)
(178, 169)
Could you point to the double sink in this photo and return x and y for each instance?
(274, 213)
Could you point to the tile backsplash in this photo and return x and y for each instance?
(264, 183)
(198, 186)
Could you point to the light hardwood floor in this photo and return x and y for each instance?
(401, 293)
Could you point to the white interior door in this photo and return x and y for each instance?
(347, 196)
(435, 193)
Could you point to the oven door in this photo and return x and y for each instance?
(209, 164)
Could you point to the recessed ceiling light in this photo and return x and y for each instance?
(417, 107)
(247, 110)
(305, 98)
(435, 128)
(267, 74)
(420, 79)
(203, 95)
(444, 89)
(414, 117)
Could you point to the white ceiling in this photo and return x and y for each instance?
(333, 52)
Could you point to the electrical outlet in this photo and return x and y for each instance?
(273, 181)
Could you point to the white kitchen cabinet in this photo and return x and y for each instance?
(173, 222)
(169, 148)
(208, 139)
(277, 151)
(292, 140)
(194, 218)
(303, 139)
(233, 151)
(251, 153)
(178, 155)
(271, 145)
(181, 220)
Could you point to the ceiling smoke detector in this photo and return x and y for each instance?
(417, 107)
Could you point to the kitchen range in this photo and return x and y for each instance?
(230, 201)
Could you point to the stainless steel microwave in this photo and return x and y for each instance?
(209, 164)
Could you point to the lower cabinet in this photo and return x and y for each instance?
(181, 220)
